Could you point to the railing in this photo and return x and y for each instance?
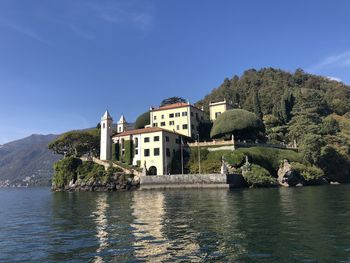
(238, 144)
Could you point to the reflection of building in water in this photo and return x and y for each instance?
(153, 242)
(101, 225)
(150, 243)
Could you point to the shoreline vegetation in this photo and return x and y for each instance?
(270, 106)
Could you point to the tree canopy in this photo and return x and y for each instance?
(172, 100)
(241, 123)
(309, 110)
(77, 143)
(142, 120)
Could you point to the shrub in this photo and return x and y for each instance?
(210, 161)
(269, 158)
(128, 154)
(236, 159)
(142, 120)
(258, 176)
(65, 171)
(307, 172)
(243, 124)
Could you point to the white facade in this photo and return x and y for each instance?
(106, 132)
(122, 124)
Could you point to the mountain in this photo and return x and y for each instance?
(27, 162)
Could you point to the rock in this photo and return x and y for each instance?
(288, 177)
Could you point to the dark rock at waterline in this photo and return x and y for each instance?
(116, 183)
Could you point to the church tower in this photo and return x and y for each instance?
(106, 141)
(122, 124)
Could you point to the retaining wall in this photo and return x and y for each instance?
(191, 181)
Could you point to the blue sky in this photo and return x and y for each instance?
(62, 63)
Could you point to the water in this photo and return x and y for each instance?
(310, 224)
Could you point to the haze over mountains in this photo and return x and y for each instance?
(27, 162)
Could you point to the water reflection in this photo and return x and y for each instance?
(101, 222)
(148, 210)
(260, 225)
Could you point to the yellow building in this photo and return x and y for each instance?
(153, 147)
(182, 118)
(217, 108)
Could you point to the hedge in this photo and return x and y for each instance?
(243, 124)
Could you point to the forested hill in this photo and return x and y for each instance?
(311, 110)
(27, 161)
(274, 84)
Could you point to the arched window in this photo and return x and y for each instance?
(136, 142)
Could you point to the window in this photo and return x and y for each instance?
(184, 113)
(217, 114)
(136, 142)
(162, 116)
(162, 123)
(156, 151)
(166, 138)
(156, 139)
(104, 125)
(171, 122)
(171, 115)
(155, 124)
(177, 114)
(168, 152)
(146, 139)
(184, 127)
(177, 127)
(146, 152)
(155, 117)
(136, 151)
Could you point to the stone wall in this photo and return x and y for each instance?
(191, 181)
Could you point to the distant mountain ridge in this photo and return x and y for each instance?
(27, 162)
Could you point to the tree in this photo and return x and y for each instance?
(310, 148)
(287, 103)
(257, 107)
(142, 120)
(241, 123)
(172, 100)
(77, 143)
(329, 126)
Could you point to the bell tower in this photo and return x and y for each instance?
(122, 124)
(106, 141)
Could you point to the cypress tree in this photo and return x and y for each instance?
(257, 107)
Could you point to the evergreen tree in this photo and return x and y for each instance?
(257, 107)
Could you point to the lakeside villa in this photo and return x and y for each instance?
(153, 147)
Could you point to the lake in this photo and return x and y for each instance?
(306, 224)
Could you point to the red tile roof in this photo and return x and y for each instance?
(145, 130)
(174, 106)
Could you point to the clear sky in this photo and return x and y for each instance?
(62, 63)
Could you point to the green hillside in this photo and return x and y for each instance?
(311, 111)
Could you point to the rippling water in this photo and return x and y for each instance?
(310, 224)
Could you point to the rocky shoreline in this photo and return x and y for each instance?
(119, 182)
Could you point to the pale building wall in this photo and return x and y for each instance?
(137, 149)
(163, 160)
(106, 144)
(216, 109)
(176, 119)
